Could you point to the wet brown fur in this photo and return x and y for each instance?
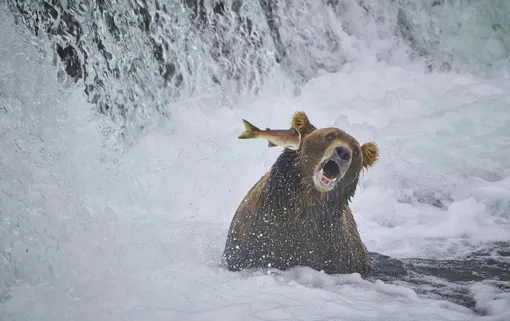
(285, 221)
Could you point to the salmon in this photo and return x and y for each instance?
(288, 138)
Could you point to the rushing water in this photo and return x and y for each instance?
(120, 169)
(137, 58)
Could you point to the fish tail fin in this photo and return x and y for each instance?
(250, 132)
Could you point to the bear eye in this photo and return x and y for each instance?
(355, 151)
(330, 137)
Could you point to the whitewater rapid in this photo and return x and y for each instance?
(94, 231)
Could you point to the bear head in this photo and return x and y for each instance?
(329, 158)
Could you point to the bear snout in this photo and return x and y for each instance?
(343, 153)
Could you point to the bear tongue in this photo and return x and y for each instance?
(325, 180)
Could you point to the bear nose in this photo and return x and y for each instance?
(343, 153)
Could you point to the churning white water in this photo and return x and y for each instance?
(90, 230)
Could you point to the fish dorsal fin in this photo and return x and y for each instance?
(267, 128)
(271, 144)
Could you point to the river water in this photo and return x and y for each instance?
(120, 167)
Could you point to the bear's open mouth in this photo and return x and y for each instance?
(329, 173)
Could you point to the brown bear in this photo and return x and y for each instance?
(298, 213)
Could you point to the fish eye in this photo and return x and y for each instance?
(330, 137)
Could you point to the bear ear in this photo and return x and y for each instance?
(370, 153)
(301, 123)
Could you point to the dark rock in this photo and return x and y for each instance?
(71, 61)
(447, 279)
(269, 8)
(385, 267)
